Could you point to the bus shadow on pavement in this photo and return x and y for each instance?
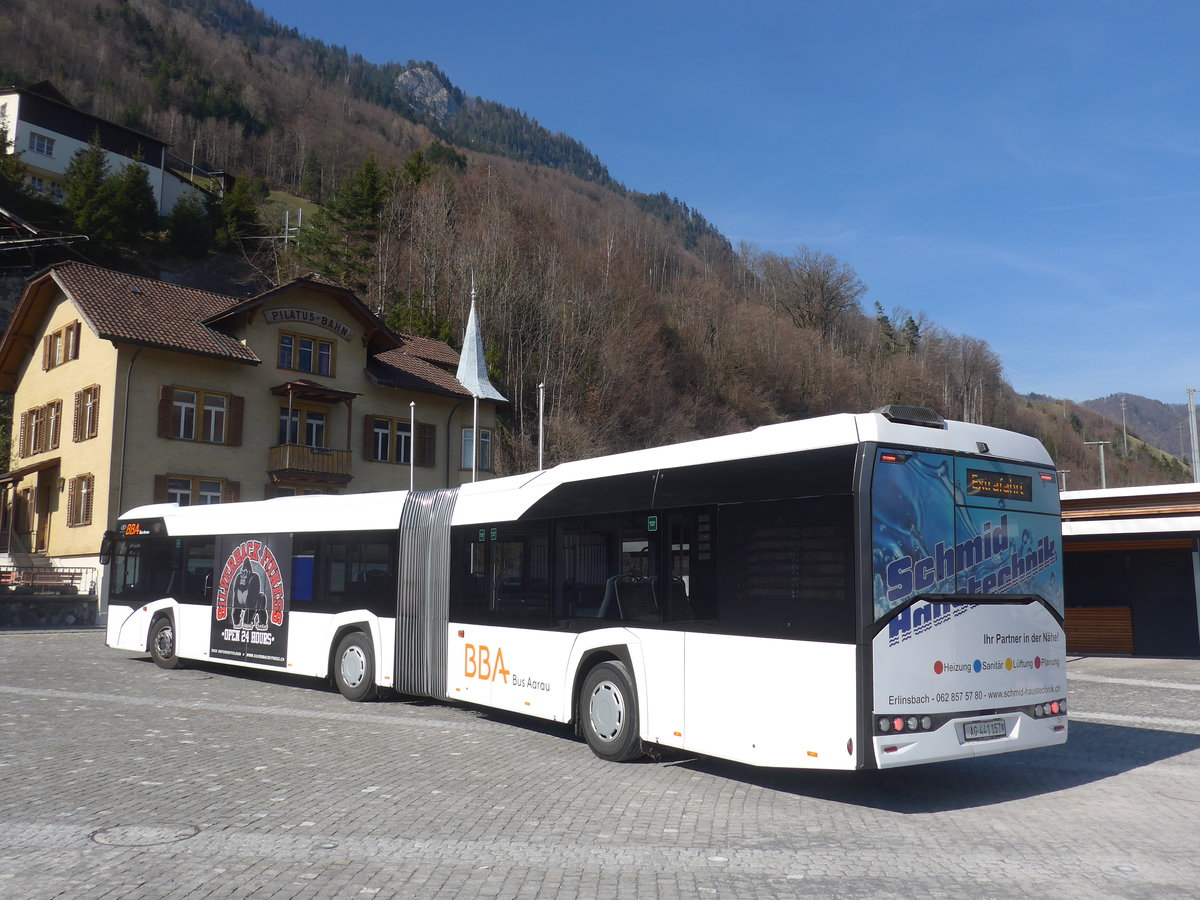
(1094, 752)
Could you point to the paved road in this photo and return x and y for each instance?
(119, 780)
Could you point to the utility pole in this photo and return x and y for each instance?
(1101, 445)
(541, 422)
(1124, 430)
(1192, 423)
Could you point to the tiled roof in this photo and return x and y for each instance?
(427, 348)
(143, 311)
(400, 369)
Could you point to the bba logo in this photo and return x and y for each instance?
(479, 662)
(250, 593)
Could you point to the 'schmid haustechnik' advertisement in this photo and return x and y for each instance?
(951, 526)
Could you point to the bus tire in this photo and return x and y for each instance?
(162, 644)
(608, 712)
(354, 667)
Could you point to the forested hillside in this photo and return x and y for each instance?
(642, 321)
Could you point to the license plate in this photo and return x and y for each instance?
(985, 730)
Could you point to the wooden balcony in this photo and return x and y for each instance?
(295, 462)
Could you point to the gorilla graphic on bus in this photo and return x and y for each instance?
(249, 598)
(250, 602)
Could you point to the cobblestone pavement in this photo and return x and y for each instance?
(121, 780)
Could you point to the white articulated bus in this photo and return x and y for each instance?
(853, 591)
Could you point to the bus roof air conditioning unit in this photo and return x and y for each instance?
(911, 415)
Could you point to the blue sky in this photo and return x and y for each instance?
(1025, 173)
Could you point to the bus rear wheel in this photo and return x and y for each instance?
(354, 667)
(608, 713)
(162, 644)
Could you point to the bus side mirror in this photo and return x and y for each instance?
(106, 545)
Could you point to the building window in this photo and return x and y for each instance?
(87, 413)
(39, 143)
(485, 448)
(183, 415)
(389, 440)
(40, 428)
(56, 192)
(37, 183)
(301, 425)
(80, 493)
(297, 490)
(189, 490)
(60, 346)
(306, 354)
(189, 414)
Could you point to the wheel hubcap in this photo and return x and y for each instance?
(164, 642)
(354, 666)
(607, 711)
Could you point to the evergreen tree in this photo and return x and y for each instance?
(188, 227)
(239, 209)
(342, 240)
(912, 335)
(14, 191)
(886, 330)
(89, 196)
(133, 200)
(310, 179)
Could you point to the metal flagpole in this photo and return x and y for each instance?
(412, 444)
(474, 437)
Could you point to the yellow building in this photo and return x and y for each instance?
(128, 391)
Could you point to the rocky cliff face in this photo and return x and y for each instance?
(428, 94)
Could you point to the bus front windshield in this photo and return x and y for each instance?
(150, 567)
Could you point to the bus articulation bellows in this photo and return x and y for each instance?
(852, 591)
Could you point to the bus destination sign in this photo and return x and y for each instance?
(999, 485)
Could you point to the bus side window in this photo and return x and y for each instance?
(468, 573)
(361, 571)
(198, 559)
(691, 589)
(304, 568)
(521, 573)
(788, 570)
(636, 594)
(587, 559)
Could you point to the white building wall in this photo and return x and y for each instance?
(54, 168)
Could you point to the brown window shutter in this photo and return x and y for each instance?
(368, 437)
(231, 492)
(23, 440)
(37, 420)
(94, 424)
(77, 431)
(237, 414)
(53, 433)
(47, 343)
(165, 401)
(161, 483)
(90, 481)
(425, 441)
(75, 329)
(72, 500)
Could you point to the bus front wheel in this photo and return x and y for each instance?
(609, 714)
(162, 644)
(354, 667)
